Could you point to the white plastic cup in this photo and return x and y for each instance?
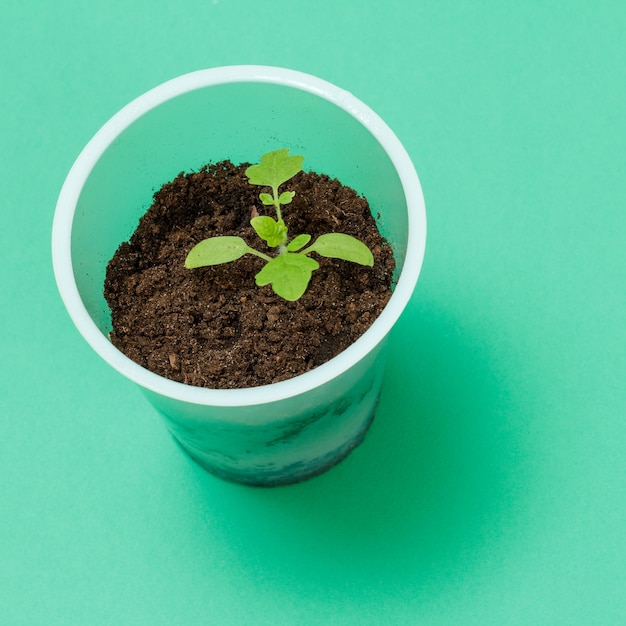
(273, 434)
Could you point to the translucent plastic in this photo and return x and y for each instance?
(277, 433)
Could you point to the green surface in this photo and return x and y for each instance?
(491, 488)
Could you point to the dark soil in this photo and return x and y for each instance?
(213, 327)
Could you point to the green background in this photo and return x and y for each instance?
(491, 488)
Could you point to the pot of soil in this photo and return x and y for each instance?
(256, 388)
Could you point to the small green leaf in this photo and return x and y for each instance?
(266, 198)
(274, 169)
(264, 225)
(270, 230)
(216, 250)
(289, 274)
(298, 242)
(340, 246)
(286, 197)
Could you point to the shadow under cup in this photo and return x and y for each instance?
(278, 433)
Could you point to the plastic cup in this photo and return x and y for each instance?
(294, 429)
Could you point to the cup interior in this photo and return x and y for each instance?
(236, 121)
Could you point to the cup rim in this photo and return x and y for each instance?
(94, 149)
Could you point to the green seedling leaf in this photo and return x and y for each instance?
(340, 246)
(298, 242)
(286, 197)
(270, 230)
(266, 198)
(216, 250)
(274, 169)
(289, 274)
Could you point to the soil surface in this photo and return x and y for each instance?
(213, 327)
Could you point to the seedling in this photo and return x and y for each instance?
(289, 270)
